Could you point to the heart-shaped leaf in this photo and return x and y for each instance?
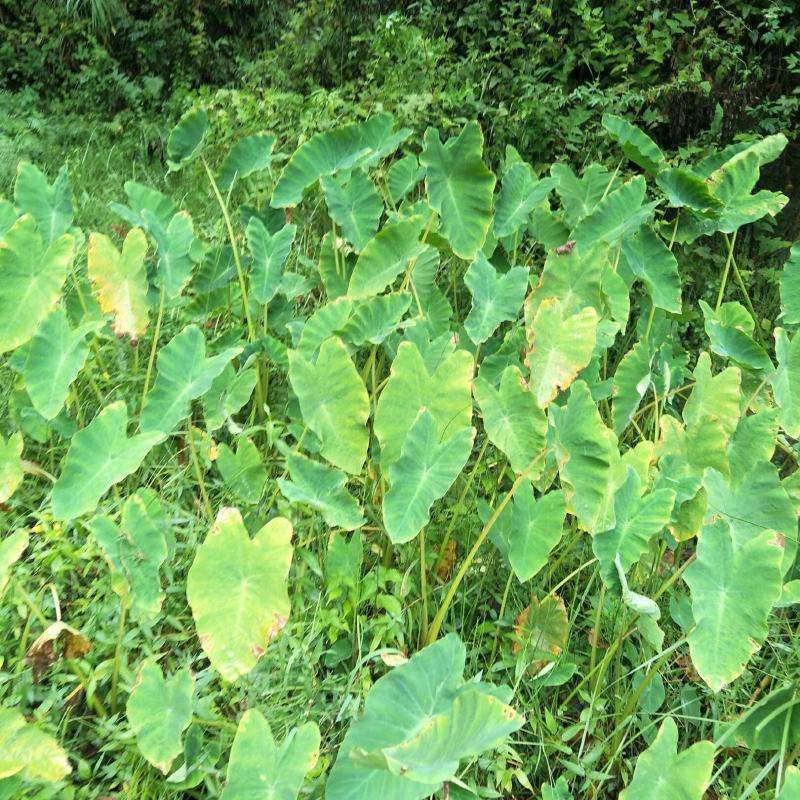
(99, 456)
(236, 588)
(635, 143)
(520, 193)
(270, 252)
(403, 175)
(786, 381)
(11, 473)
(650, 260)
(243, 472)
(174, 244)
(250, 154)
(50, 205)
(355, 205)
(186, 138)
(29, 752)
(11, 548)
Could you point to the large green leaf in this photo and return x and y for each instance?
(11, 548)
(791, 785)
(236, 588)
(403, 175)
(460, 187)
(444, 391)
(184, 373)
(11, 473)
(650, 260)
(250, 154)
(385, 257)
(730, 330)
(99, 456)
(355, 205)
(186, 138)
(323, 489)
(325, 322)
(684, 188)
(29, 752)
(734, 584)
(713, 396)
(637, 520)
(339, 414)
(662, 773)
(50, 206)
(120, 280)
(174, 244)
(31, 277)
(243, 472)
(426, 469)
(619, 213)
(143, 198)
(260, 769)
(495, 298)
(228, 394)
(375, 318)
(520, 193)
(764, 725)
(790, 288)
(631, 382)
(588, 460)
(574, 279)
(580, 196)
(51, 361)
(635, 143)
(136, 552)
(786, 381)
(512, 419)
(270, 252)
(361, 143)
(420, 720)
(159, 710)
(559, 347)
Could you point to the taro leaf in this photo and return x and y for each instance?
(120, 280)
(159, 710)
(343, 564)
(734, 584)
(631, 382)
(354, 205)
(10, 465)
(385, 257)
(764, 725)
(588, 460)
(321, 488)
(620, 212)
(11, 548)
(270, 252)
(8, 216)
(57, 640)
(755, 501)
(635, 143)
(250, 154)
(662, 773)
(403, 176)
(236, 588)
(325, 322)
(143, 198)
(495, 298)
(637, 520)
(99, 456)
(791, 785)
(28, 752)
(559, 347)
(339, 414)
(765, 150)
(359, 144)
(753, 441)
(580, 196)
(520, 193)
(184, 373)
(790, 288)
(541, 632)
(425, 471)
(51, 361)
(729, 329)
(444, 391)
(405, 750)
(650, 260)
(228, 394)
(174, 244)
(50, 206)
(786, 381)
(375, 318)
(31, 278)
(186, 138)
(684, 188)
(533, 530)
(713, 396)
(136, 552)
(513, 421)
(460, 187)
(260, 769)
(244, 472)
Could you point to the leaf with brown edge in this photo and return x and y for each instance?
(541, 631)
(44, 651)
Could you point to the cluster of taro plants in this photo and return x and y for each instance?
(455, 345)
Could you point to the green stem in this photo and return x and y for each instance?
(747, 300)
(433, 633)
(152, 360)
(198, 472)
(117, 658)
(500, 615)
(731, 242)
(597, 614)
(423, 583)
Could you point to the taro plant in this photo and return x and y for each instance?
(305, 430)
